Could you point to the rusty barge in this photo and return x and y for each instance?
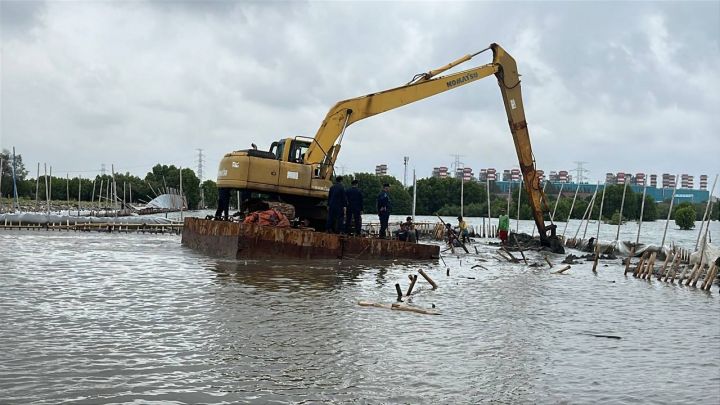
(248, 241)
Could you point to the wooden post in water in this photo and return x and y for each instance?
(100, 193)
(567, 221)
(1, 173)
(521, 249)
(707, 207)
(413, 280)
(709, 277)
(665, 263)
(92, 197)
(428, 279)
(548, 261)
(627, 263)
(667, 221)
(592, 205)
(182, 197)
(640, 264)
(597, 256)
(673, 266)
(622, 204)
(650, 267)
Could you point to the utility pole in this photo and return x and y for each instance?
(201, 162)
(405, 162)
(580, 171)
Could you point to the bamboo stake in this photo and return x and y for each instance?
(79, 189)
(521, 249)
(556, 202)
(667, 221)
(517, 222)
(587, 210)
(709, 278)
(399, 291)
(567, 221)
(592, 205)
(428, 279)
(597, 256)
(673, 265)
(413, 279)
(562, 269)
(707, 207)
(697, 276)
(665, 263)
(642, 211)
(67, 190)
(641, 263)
(649, 270)
(602, 203)
(487, 188)
(50, 191)
(627, 264)
(548, 261)
(622, 204)
(37, 187)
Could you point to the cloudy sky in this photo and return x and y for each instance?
(621, 86)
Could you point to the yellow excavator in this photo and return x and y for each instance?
(299, 170)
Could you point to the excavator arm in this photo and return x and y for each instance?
(323, 150)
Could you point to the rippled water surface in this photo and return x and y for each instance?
(114, 318)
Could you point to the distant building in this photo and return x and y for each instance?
(515, 174)
(653, 180)
(540, 174)
(686, 181)
(381, 170)
(639, 179)
(506, 175)
(610, 178)
(668, 180)
(440, 172)
(703, 182)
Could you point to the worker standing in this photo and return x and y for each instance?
(383, 207)
(223, 204)
(463, 229)
(353, 216)
(503, 228)
(336, 206)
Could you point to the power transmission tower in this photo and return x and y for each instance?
(102, 169)
(580, 171)
(457, 164)
(200, 165)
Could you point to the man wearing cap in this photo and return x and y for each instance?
(383, 208)
(353, 215)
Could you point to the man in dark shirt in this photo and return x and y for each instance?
(223, 204)
(336, 206)
(383, 207)
(353, 217)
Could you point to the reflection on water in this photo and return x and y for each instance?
(94, 318)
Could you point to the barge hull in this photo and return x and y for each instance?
(248, 241)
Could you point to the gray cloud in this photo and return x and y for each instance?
(627, 86)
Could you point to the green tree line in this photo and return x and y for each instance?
(434, 196)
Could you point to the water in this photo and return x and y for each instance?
(119, 318)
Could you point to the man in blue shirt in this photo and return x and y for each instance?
(353, 217)
(383, 207)
(336, 206)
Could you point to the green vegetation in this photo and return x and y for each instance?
(685, 216)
